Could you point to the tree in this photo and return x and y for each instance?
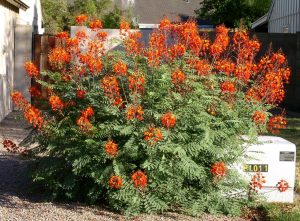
(54, 14)
(233, 13)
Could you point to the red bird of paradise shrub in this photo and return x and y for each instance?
(153, 127)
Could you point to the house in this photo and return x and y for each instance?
(147, 14)
(283, 17)
(19, 20)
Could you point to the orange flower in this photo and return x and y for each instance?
(80, 94)
(225, 66)
(81, 35)
(81, 19)
(178, 50)
(202, 67)
(124, 27)
(218, 169)
(19, 100)
(165, 24)
(178, 77)
(276, 123)
(153, 135)
(168, 120)
(115, 182)
(35, 91)
(136, 83)
(84, 124)
(95, 25)
(132, 44)
(111, 148)
(102, 36)
(31, 70)
(88, 112)
(73, 45)
(282, 185)
(111, 89)
(120, 68)
(259, 117)
(135, 112)
(56, 103)
(139, 179)
(62, 35)
(227, 87)
(221, 41)
(58, 58)
(34, 116)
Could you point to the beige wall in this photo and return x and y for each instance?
(8, 15)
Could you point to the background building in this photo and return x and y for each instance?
(18, 21)
(283, 17)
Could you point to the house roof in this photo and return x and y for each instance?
(264, 19)
(151, 12)
(19, 4)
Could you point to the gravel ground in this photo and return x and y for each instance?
(17, 205)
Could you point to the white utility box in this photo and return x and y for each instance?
(275, 159)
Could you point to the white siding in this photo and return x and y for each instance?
(7, 23)
(285, 16)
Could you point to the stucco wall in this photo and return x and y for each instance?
(8, 15)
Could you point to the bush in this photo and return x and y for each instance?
(153, 128)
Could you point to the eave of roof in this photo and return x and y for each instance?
(19, 4)
(264, 19)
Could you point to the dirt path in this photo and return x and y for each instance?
(16, 204)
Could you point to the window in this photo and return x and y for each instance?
(285, 29)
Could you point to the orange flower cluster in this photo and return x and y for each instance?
(80, 94)
(120, 68)
(111, 89)
(165, 24)
(257, 182)
(115, 182)
(136, 83)
(202, 67)
(62, 35)
(73, 45)
(153, 135)
(157, 48)
(31, 114)
(81, 19)
(225, 66)
(56, 103)
(168, 120)
(111, 148)
(19, 100)
(221, 41)
(34, 116)
(84, 124)
(135, 112)
(227, 87)
(93, 64)
(132, 45)
(282, 185)
(102, 35)
(276, 123)
(245, 48)
(178, 50)
(178, 77)
(88, 112)
(259, 117)
(35, 92)
(31, 70)
(58, 58)
(95, 25)
(244, 72)
(81, 35)
(139, 179)
(124, 28)
(218, 169)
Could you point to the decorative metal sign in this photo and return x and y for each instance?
(256, 167)
(286, 156)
